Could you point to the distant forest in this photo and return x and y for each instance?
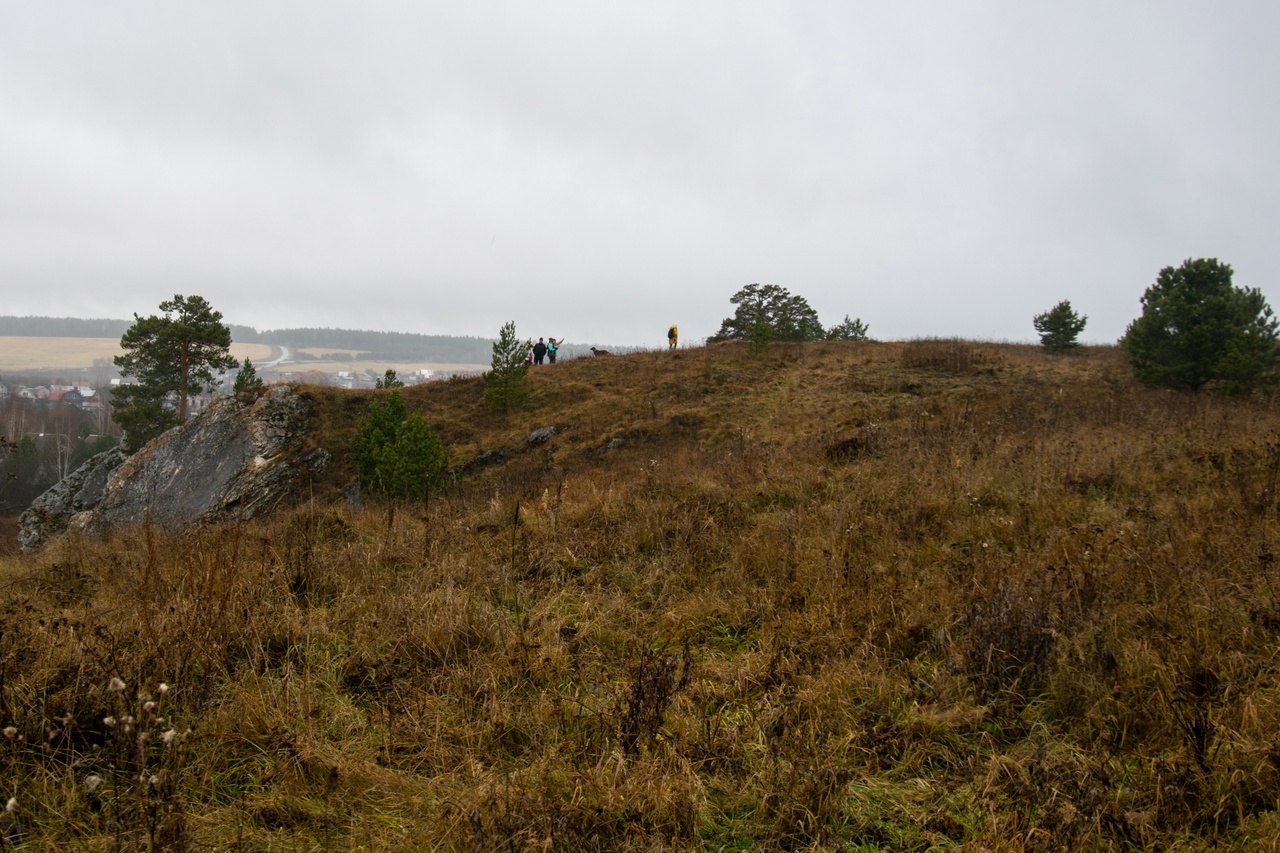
(374, 346)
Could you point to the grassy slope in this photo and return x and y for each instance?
(847, 596)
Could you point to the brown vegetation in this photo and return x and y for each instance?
(845, 596)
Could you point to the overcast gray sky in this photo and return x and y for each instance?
(598, 170)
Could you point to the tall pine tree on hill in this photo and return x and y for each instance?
(170, 357)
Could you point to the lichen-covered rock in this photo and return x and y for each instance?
(231, 461)
(540, 436)
(80, 490)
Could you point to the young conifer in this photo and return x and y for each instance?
(506, 384)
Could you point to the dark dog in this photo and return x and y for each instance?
(599, 352)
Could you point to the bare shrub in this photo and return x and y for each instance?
(869, 441)
(655, 681)
(1008, 640)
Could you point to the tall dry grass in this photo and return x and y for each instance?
(846, 596)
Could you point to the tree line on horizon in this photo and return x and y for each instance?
(1197, 328)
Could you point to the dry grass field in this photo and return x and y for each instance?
(319, 351)
(916, 596)
(23, 354)
(291, 370)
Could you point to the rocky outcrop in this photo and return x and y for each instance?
(236, 459)
(541, 436)
(79, 491)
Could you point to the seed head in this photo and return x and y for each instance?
(115, 685)
(168, 736)
(12, 805)
(110, 722)
(10, 732)
(163, 688)
(92, 783)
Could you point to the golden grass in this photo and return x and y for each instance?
(22, 354)
(289, 371)
(846, 596)
(19, 354)
(319, 351)
(355, 365)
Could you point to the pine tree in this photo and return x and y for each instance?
(398, 456)
(759, 335)
(789, 317)
(389, 380)
(849, 330)
(247, 378)
(506, 383)
(1196, 328)
(1059, 327)
(172, 357)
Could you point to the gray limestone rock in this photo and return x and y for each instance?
(231, 461)
(80, 490)
(540, 436)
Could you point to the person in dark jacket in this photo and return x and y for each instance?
(539, 351)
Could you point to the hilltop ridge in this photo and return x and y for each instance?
(922, 595)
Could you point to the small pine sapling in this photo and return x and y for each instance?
(247, 378)
(506, 383)
(398, 456)
(1059, 327)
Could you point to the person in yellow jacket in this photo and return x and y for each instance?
(673, 337)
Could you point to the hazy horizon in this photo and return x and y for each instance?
(598, 172)
(684, 340)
